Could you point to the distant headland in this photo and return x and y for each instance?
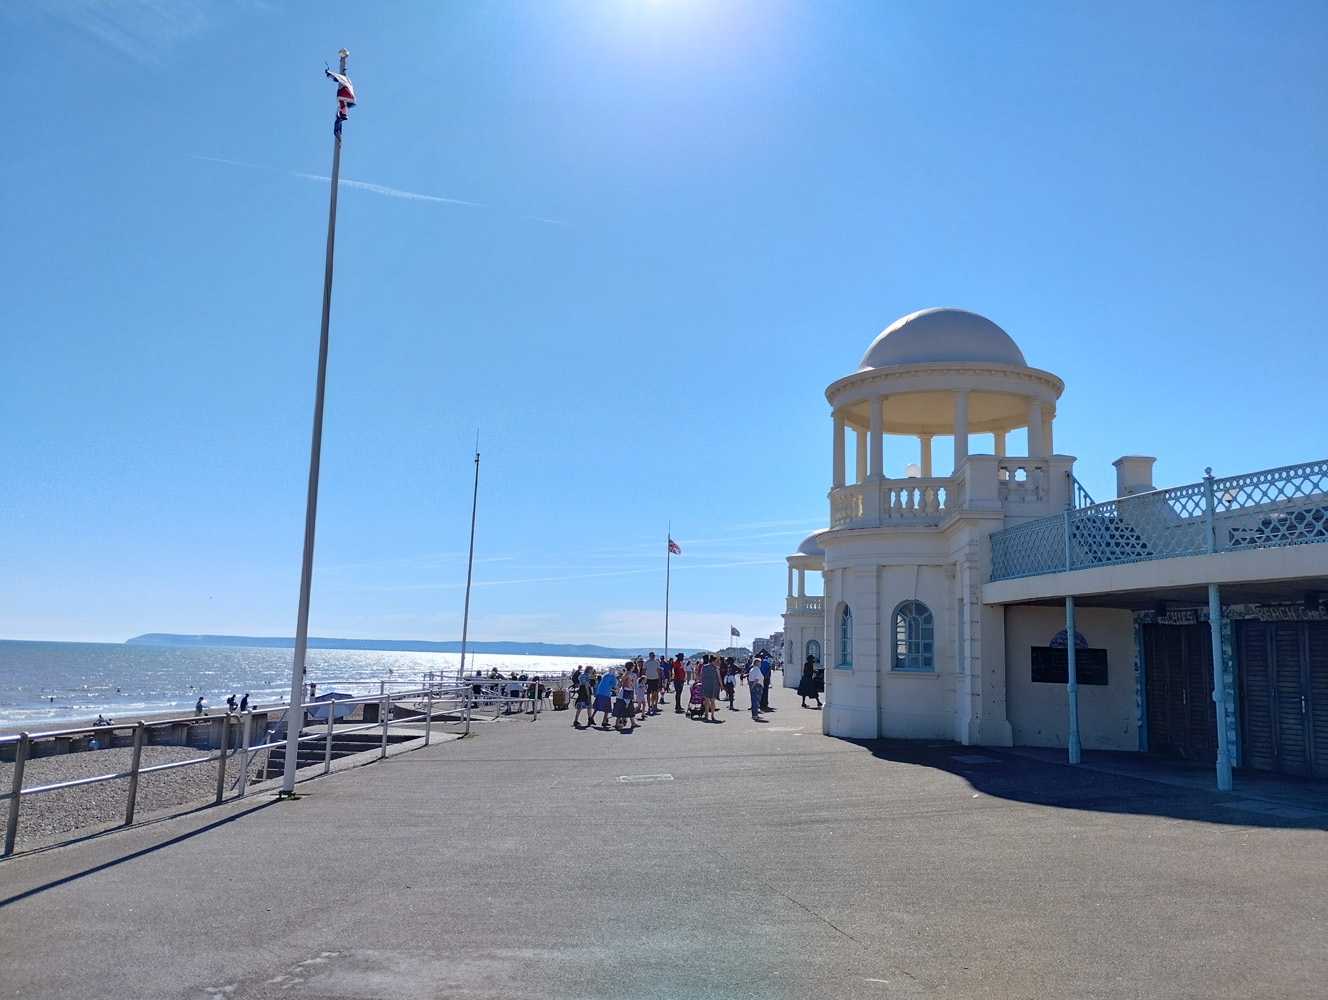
(401, 645)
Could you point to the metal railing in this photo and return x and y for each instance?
(455, 701)
(1275, 507)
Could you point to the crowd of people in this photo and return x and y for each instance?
(625, 696)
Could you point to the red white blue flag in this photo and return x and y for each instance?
(345, 98)
(673, 547)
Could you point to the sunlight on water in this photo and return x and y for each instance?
(56, 682)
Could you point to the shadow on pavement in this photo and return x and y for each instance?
(1140, 784)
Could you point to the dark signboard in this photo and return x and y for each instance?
(1052, 666)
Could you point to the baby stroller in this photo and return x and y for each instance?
(695, 703)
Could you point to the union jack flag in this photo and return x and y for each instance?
(673, 547)
(345, 98)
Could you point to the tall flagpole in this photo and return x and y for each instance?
(295, 714)
(470, 562)
(667, 561)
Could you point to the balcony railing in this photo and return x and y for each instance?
(809, 604)
(1276, 507)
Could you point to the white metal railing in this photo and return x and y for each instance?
(458, 701)
(1268, 509)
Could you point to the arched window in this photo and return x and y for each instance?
(845, 637)
(915, 637)
(814, 650)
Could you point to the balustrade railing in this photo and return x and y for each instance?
(1276, 507)
(1021, 480)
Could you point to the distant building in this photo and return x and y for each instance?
(956, 606)
(773, 644)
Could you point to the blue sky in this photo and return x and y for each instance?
(629, 241)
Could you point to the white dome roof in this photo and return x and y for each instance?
(809, 546)
(942, 335)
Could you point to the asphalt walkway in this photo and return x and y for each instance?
(691, 860)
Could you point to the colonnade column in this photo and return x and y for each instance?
(790, 581)
(924, 445)
(1046, 435)
(802, 582)
(1035, 449)
(1000, 443)
(877, 445)
(837, 475)
(862, 455)
(960, 427)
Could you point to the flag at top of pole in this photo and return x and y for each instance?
(734, 631)
(345, 98)
(673, 548)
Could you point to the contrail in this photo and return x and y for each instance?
(393, 192)
(365, 186)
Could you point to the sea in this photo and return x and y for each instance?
(46, 684)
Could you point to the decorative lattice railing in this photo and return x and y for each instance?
(1286, 506)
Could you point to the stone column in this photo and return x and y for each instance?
(790, 580)
(802, 582)
(924, 445)
(1035, 448)
(837, 476)
(861, 455)
(1047, 447)
(960, 427)
(877, 470)
(999, 439)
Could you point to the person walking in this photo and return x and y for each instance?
(710, 686)
(585, 699)
(765, 683)
(807, 686)
(679, 682)
(603, 697)
(756, 681)
(653, 675)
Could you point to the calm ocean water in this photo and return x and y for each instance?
(49, 683)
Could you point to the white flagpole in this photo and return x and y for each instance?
(470, 563)
(295, 714)
(668, 559)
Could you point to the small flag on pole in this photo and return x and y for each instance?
(673, 547)
(345, 98)
(734, 631)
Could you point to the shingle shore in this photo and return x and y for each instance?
(90, 807)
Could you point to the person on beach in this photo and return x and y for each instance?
(679, 679)
(710, 686)
(807, 686)
(603, 697)
(756, 681)
(244, 703)
(230, 703)
(198, 706)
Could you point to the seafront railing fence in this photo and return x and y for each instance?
(458, 703)
(1272, 508)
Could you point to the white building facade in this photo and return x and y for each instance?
(923, 637)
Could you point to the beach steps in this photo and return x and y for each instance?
(313, 753)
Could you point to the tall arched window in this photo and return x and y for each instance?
(814, 650)
(915, 637)
(845, 637)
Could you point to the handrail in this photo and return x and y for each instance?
(1271, 508)
(434, 696)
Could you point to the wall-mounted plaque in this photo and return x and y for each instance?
(1052, 665)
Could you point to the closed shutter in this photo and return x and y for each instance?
(1259, 742)
(1288, 678)
(1317, 648)
(1178, 687)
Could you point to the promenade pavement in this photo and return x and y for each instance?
(692, 860)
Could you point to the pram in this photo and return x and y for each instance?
(695, 703)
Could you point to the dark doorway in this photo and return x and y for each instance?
(1284, 696)
(1178, 685)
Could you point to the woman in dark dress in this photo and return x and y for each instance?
(710, 685)
(808, 686)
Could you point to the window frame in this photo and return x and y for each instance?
(913, 642)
